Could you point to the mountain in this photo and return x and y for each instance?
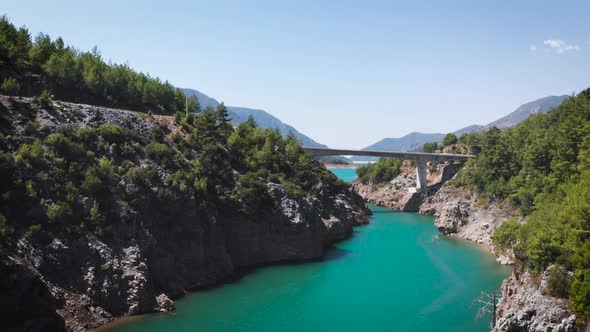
(409, 142)
(542, 105)
(262, 118)
(468, 129)
(415, 140)
(405, 143)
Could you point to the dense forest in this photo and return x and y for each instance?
(29, 67)
(543, 166)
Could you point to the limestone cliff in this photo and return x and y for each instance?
(527, 306)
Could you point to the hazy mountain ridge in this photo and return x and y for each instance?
(542, 105)
(415, 140)
(262, 118)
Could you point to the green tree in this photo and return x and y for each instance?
(430, 147)
(10, 86)
(450, 139)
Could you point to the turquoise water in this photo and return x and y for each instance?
(395, 274)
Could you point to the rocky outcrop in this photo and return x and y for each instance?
(526, 306)
(467, 215)
(395, 195)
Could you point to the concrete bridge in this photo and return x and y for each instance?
(421, 158)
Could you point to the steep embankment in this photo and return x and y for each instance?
(130, 235)
(462, 212)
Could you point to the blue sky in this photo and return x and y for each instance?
(346, 73)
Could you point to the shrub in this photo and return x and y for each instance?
(143, 176)
(86, 135)
(559, 281)
(430, 147)
(6, 230)
(44, 100)
(31, 128)
(506, 236)
(178, 117)
(95, 215)
(65, 147)
(32, 155)
(157, 133)
(92, 184)
(57, 212)
(97, 178)
(10, 87)
(450, 139)
(114, 134)
(6, 169)
(159, 152)
(580, 293)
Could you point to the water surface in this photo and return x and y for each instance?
(396, 274)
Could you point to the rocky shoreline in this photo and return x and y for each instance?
(461, 212)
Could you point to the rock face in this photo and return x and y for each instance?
(26, 302)
(395, 195)
(526, 306)
(466, 215)
(81, 282)
(90, 282)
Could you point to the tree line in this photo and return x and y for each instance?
(30, 66)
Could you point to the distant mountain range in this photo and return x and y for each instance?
(262, 118)
(415, 140)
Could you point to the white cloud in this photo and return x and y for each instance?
(533, 47)
(560, 46)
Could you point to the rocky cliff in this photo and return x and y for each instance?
(462, 212)
(527, 306)
(161, 244)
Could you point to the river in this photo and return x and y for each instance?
(395, 274)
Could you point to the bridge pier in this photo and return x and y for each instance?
(421, 174)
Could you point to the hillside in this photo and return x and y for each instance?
(107, 213)
(539, 106)
(262, 118)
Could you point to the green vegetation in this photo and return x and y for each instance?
(450, 139)
(10, 86)
(430, 147)
(49, 67)
(543, 167)
(384, 170)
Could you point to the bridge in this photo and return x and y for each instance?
(421, 158)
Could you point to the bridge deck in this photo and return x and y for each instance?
(422, 156)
